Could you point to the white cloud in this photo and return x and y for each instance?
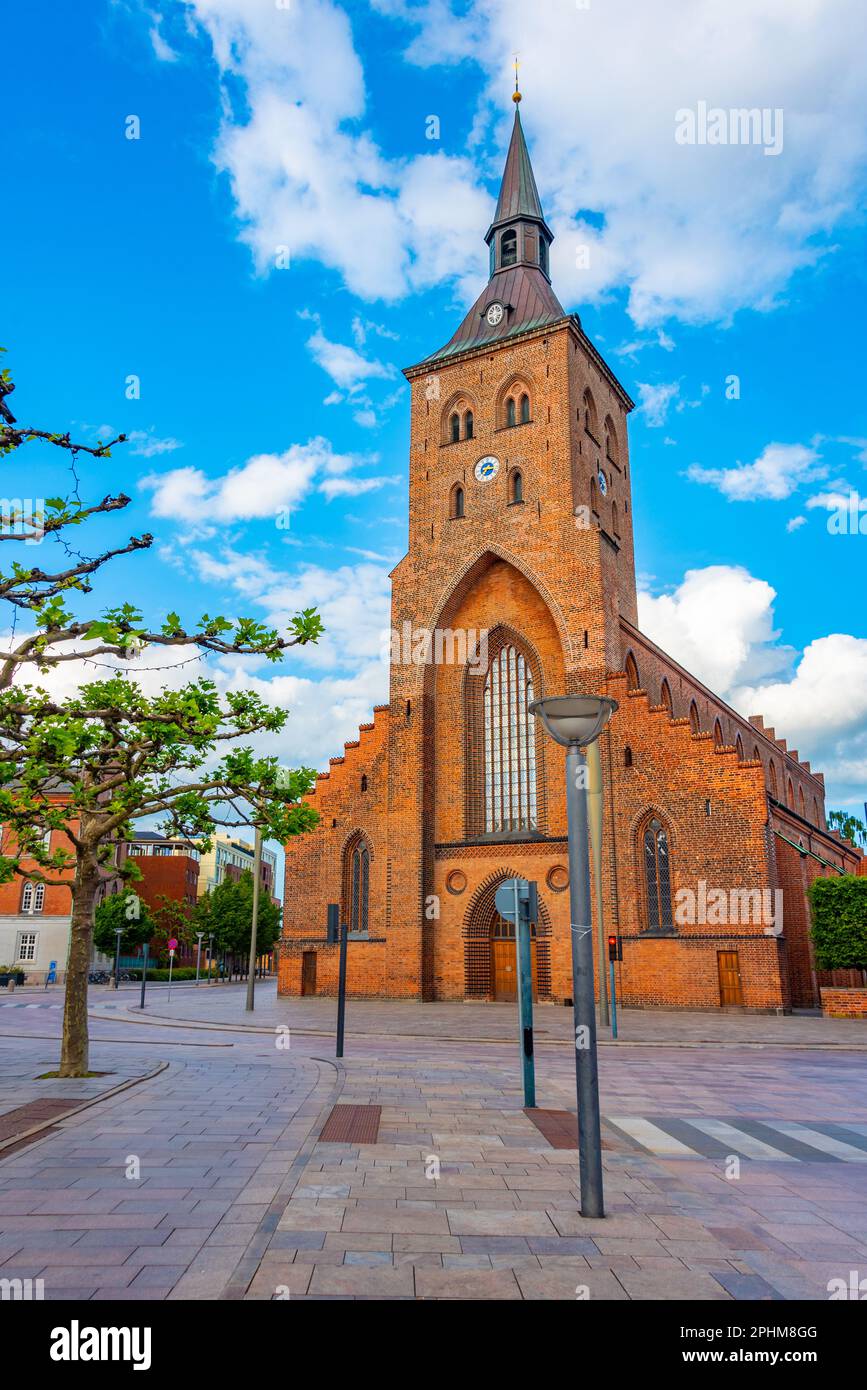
(795, 523)
(719, 624)
(262, 487)
(778, 471)
(693, 231)
(346, 367)
(146, 445)
(654, 400)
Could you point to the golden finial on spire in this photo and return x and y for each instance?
(516, 95)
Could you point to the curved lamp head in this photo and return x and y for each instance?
(574, 719)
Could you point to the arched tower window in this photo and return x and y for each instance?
(509, 745)
(455, 428)
(511, 418)
(516, 485)
(468, 425)
(610, 440)
(591, 423)
(756, 754)
(525, 409)
(717, 734)
(739, 745)
(508, 248)
(356, 884)
(456, 503)
(665, 696)
(694, 720)
(657, 876)
(633, 681)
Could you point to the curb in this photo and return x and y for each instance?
(85, 1105)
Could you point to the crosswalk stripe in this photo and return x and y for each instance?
(817, 1140)
(650, 1135)
(742, 1143)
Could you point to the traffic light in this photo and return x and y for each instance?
(615, 948)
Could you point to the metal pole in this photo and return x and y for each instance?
(199, 934)
(251, 967)
(171, 963)
(341, 988)
(594, 814)
(118, 931)
(613, 1004)
(524, 963)
(144, 972)
(211, 958)
(584, 1002)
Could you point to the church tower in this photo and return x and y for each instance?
(521, 529)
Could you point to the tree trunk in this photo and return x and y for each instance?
(74, 1047)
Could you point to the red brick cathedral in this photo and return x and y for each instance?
(519, 582)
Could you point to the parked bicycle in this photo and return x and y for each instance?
(98, 977)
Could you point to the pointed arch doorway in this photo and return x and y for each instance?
(490, 953)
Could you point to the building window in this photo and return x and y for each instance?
(508, 248)
(525, 409)
(665, 697)
(627, 756)
(32, 897)
(455, 428)
(364, 781)
(516, 485)
(590, 420)
(27, 942)
(456, 509)
(772, 780)
(694, 720)
(717, 734)
(790, 794)
(357, 885)
(657, 877)
(511, 418)
(632, 679)
(468, 425)
(610, 441)
(510, 745)
(739, 746)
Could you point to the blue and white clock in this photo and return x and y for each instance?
(487, 468)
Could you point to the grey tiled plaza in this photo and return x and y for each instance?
(733, 1170)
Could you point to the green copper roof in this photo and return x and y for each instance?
(519, 196)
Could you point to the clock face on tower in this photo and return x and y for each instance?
(494, 314)
(487, 468)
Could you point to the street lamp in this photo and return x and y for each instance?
(199, 935)
(576, 721)
(118, 931)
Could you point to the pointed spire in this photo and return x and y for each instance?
(519, 196)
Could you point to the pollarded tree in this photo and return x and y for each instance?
(94, 763)
(838, 908)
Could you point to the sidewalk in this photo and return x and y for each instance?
(224, 1005)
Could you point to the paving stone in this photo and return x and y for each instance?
(466, 1283)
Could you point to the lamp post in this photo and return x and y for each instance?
(199, 935)
(251, 969)
(575, 721)
(118, 931)
(210, 958)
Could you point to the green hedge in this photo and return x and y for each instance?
(182, 972)
(839, 912)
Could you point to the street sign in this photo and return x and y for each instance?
(173, 944)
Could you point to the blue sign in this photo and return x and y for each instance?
(51, 978)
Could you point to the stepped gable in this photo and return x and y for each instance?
(348, 758)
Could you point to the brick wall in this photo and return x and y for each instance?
(844, 1003)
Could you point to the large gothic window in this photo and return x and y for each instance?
(356, 885)
(510, 745)
(657, 876)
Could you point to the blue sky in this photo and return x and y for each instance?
(299, 131)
